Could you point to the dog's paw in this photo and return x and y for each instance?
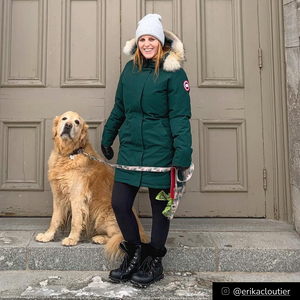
(100, 239)
(69, 242)
(42, 237)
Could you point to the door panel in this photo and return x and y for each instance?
(24, 55)
(56, 56)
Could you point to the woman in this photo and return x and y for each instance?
(151, 115)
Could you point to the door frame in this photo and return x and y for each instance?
(274, 110)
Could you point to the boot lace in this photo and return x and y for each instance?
(125, 262)
(129, 264)
(147, 265)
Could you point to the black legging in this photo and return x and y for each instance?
(123, 196)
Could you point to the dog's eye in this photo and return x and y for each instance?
(64, 118)
(77, 122)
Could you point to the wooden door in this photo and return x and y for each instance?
(56, 55)
(221, 39)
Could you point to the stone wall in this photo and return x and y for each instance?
(292, 53)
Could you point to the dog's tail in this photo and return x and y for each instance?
(112, 249)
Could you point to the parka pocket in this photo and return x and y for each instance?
(125, 132)
(164, 136)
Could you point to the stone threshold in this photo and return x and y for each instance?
(194, 245)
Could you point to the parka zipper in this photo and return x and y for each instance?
(142, 140)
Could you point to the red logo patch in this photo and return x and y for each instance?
(186, 85)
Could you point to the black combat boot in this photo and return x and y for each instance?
(130, 264)
(151, 269)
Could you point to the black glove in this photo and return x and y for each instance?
(180, 169)
(107, 151)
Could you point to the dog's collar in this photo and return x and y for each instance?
(75, 152)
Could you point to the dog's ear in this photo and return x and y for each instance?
(54, 128)
(84, 135)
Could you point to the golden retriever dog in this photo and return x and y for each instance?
(81, 189)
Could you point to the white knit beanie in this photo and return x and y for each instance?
(151, 25)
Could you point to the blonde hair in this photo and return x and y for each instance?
(138, 58)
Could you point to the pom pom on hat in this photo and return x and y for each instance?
(151, 25)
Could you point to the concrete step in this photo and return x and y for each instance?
(24, 285)
(194, 245)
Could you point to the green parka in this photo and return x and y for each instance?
(151, 115)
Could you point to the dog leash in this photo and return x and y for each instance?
(175, 190)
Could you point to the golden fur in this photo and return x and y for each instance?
(81, 189)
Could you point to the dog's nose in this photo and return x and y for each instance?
(68, 125)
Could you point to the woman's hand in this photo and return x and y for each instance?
(180, 169)
(108, 152)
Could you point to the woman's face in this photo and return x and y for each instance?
(148, 46)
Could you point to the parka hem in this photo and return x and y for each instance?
(143, 185)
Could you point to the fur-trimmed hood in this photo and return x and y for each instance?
(175, 57)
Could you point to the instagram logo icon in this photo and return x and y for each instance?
(225, 291)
